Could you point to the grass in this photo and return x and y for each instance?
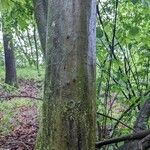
(9, 108)
(30, 73)
(2, 73)
(26, 73)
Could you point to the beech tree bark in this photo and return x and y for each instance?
(69, 93)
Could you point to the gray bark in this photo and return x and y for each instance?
(69, 93)
(40, 9)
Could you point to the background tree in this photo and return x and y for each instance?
(10, 67)
(40, 10)
(68, 120)
(23, 31)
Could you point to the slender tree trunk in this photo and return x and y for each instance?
(23, 47)
(36, 51)
(69, 93)
(40, 8)
(10, 67)
(31, 47)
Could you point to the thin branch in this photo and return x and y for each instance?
(20, 96)
(135, 136)
(114, 26)
(128, 109)
(115, 120)
(101, 22)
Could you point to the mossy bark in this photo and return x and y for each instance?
(69, 94)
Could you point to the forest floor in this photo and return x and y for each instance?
(19, 115)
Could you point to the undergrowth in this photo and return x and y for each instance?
(25, 73)
(8, 109)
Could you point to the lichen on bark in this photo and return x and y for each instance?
(69, 93)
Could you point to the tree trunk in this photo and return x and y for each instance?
(36, 51)
(10, 67)
(69, 92)
(40, 8)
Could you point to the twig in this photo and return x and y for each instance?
(20, 96)
(115, 120)
(128, 109)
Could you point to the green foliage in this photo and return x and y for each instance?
(7, 88)
(123, 62)
(2, 73)
(17, 20)
(1, 55)
(30, 73)
(17, 13)
(99, 33)
(25, 73)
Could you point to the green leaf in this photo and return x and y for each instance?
(134, 1)
(99, 32)
(134, 31)
(130, 46)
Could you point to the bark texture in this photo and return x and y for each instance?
(10, 67)
(40, 9)
(69, 93)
